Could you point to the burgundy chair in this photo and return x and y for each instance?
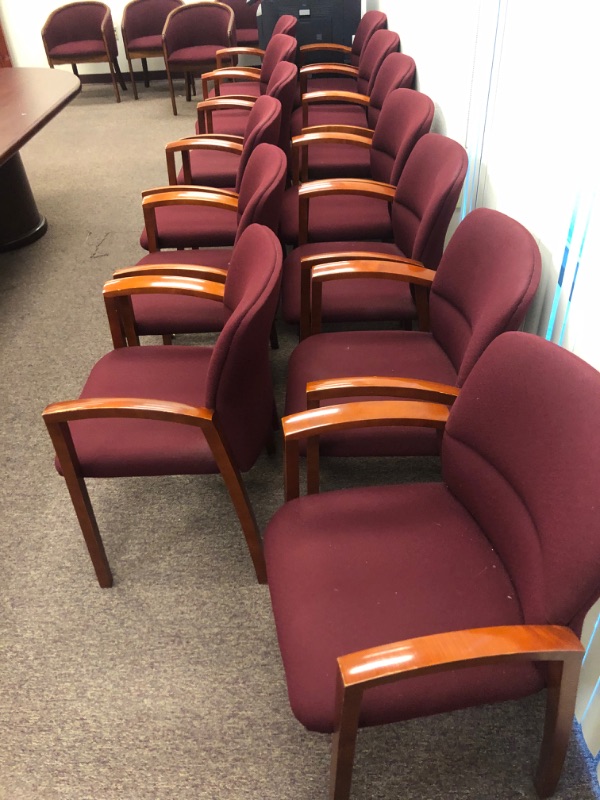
(219, 160)
(178, 410)
(403, 601)
(360, 210)
(188, 216)
(250, 81)
(82, 33)
(370, 22)
(485, 282)
(347, 112)
(343, 77)
(422, 205)
(141, 27)
(191, 37)
(259, 203)
(229, 115)
(245, 22)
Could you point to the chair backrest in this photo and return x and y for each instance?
(426, 196)
(405, 117)
(264, 121)
(285, 24)
(485, 282)
(146, 17)
(199, 23)
(521, 452)
(239, 385)
(76, 22)
(280, 48)
(245, 15)
(261, 188)
(380, 45)
(282, 86)
(397, 72)
(370, 22)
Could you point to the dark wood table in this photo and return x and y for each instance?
(29, 98)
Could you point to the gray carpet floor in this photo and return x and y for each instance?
(168, 685)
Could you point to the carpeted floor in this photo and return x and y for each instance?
(169, 685)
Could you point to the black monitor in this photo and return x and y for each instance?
(318, 20)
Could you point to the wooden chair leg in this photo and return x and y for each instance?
(119, 74)
(344, 741)
(188, 85)
(239, 497)
(132, 76)
(63, 444)
(146, 73)
(74, 68)
(171, 90)
(114, 81)
(563, 677)
(167, 338)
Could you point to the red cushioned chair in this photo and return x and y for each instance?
(141, 27)
(485, 282)
(285, 24)
(370, 22)
(409, 600)
(309, 215)
(191, 37)
(229, 115)
(218, 159)
(246, 28)
(83, 33)
(348, 112)
(177, 410)
(422, 206)
(351, 79)
(258, 203)
(250, 81)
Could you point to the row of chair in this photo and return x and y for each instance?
(390, 602)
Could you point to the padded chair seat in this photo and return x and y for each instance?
(344, 567)
(185, 226)
(348, 300)
(332, 84)
(84, 47)
(187, 55)
(341, 217)
(122, 447)
(217, 169)
(147, 43)
(248, 88)
(409, 354)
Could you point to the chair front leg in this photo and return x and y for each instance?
(132, 76)
(348, 701)
(146, 73)
(114, 80)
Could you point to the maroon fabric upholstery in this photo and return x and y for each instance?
(245, 22)
(233, 378)
(485, 282)
(285, 24)
(163, 314)
(405, 117)
(370, 22)
(195, 31)
(75, 31)
(143, 23)
(512, 536)
(280, 48)
(211, 168)
(425, 199)
(372, 56)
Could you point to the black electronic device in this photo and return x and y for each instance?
(318, 20)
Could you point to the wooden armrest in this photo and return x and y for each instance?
(466, 648)
(363, 414)
(185, 146)
(225, 52)
(190, 187)
(307, 262)
(335, 96)
(218, 75)
(132, 407)
(376, 385)
(206, 108)
(310, 70)
(301, 143)
(316, 46)
(357, 130)
(183, 270)
(117, 295)
(335, 186)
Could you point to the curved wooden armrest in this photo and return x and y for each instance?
(251, 73)
(225, 52)
(190, 187)
(307, 262)
(359, 186)
(357, 130)
(212, 137)
(349, 135)
(227, 102)
(133, 407)
(331, 96)
(163, 284)
(363, 414)
(190, 143)
(183, 270)
(308, 70)
(405, 388)
(190, 195)
(466, 648)
(315, 46)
